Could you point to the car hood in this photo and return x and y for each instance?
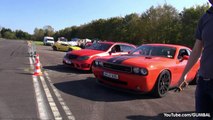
(140, 61)
(86, 52)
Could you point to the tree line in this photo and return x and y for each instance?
(160, 24)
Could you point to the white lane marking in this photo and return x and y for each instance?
(51, 102)
(42, 108)
(60, 99)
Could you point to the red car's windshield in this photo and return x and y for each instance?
(149, 50)
(100, 46)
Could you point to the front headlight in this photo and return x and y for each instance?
(140, 71)
(136, 70)
(101, 63)
(143, 71)
(83, 58)
(96, 63)
(66, 55)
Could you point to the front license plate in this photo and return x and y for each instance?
(110, 75)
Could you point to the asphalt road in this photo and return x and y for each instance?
(70, 94)
(88, 100)
(17, 100)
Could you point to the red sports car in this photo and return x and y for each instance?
(149, 68)
(82, 59)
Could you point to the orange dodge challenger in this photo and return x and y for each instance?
(149, 68)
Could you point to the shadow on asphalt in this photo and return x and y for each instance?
(161, 116)
(65, 69)
(91, 90)
(25, 73)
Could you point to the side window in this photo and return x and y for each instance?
(126, 48)
(183, 52)
(116, 48)
(189, 51)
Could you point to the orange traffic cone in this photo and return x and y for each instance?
(37, 58)
(37, 67)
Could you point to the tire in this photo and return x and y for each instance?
(54, 48)
(162, 84)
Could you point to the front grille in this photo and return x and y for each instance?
(117, 67)
(114, 81)
(71, 56)
(72, 65)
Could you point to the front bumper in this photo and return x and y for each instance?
(127, 81)
(81, 65)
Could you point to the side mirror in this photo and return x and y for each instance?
(110, 52)
(185, 57)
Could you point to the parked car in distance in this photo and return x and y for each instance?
(48, 40)
(149, 68)
(62, 44)
(64, 47)
(82, 59)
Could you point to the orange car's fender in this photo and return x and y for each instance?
(154, 74)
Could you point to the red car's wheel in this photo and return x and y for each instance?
(162, 84)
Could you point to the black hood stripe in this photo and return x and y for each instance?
(120, 59)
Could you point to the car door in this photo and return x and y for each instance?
(180, 65)
(193, 72)
(121, 49)
(115, 50)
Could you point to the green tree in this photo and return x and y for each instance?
(4, 30)
(48, 30)
(160, 24)
(189, 21)
(22, 35)
(0, 31)
(38, 34)
(9, 35)
(69, 33)
(132, 29)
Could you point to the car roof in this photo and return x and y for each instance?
(168, 45)
(107, 42)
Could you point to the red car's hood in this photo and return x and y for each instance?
(138, 60)
(86, 52)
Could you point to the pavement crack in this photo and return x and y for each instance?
(12, 53)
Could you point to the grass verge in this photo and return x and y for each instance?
(38, 42)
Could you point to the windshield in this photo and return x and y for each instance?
(74, 40)
(160, 51)
(50, 40)
(100, 46)
(63, 39)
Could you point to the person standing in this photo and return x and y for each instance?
(204, 46)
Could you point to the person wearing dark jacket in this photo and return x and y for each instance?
(204, 46)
